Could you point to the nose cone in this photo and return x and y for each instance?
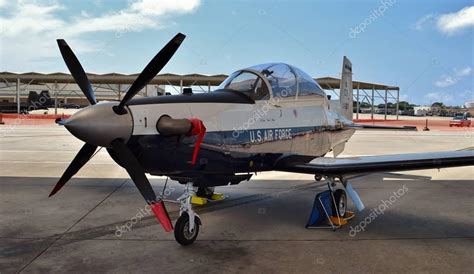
(99, 125)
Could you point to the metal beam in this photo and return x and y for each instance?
(18, 106)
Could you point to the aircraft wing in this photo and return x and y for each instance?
(370, 164)
(374, 127)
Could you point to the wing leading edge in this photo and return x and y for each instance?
(369, 164)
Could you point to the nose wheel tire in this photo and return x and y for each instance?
(181, 230)
(340, 203)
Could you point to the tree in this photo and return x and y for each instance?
(437, 105)
(404, 105)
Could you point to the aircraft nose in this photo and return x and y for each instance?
(99, 125)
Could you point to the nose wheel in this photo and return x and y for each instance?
(182, 231)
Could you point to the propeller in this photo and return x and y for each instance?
(151, 70)
(77, 71)
(107, 125)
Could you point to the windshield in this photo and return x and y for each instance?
(248, 83)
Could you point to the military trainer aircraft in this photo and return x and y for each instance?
(266, 117)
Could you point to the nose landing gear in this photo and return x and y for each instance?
(187, 226)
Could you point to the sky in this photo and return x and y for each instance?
(425, 47)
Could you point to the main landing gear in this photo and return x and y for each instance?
(186, 229)
(330, 206)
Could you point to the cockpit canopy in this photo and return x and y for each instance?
(280, 80)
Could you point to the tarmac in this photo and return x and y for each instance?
(98, 221)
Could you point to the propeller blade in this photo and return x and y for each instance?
(134, 169)
(151, 70)
(77, 71)
(137, 173)
(79, 161)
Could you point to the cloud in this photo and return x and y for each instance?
(420, 24)
(463, 72)
(439, 97)
(451, 97)
(451, 80)
(31, 27)
(453, 23)
(446, 81)
(450, 23)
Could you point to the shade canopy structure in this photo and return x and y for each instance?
(14, 85)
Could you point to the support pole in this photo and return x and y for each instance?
(146, 90)
(357, 103)
(119, 92)
(398, 100)
(56, 97)
(181, 86)
(385, 116)
(208, 86)
(372, 104)
(18, 106)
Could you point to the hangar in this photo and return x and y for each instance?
(14, 87)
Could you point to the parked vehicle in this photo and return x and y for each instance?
(460, 121)
(74, 106)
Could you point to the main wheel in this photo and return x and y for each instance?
(340, 202)
(205, 192)
(318, 177)
(181, 230)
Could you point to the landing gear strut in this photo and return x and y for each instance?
(187, 226)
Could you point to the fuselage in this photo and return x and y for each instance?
(242, 135)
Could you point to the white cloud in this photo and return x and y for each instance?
(420, 24)
(31, 27)
(451, 80)
(153, 7)
(446, 81)
(463, 72)
(439, 97)
(451, 97)
(450, 23)
(453, 23)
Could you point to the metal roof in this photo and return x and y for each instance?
(164, 79)
(334, 83)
